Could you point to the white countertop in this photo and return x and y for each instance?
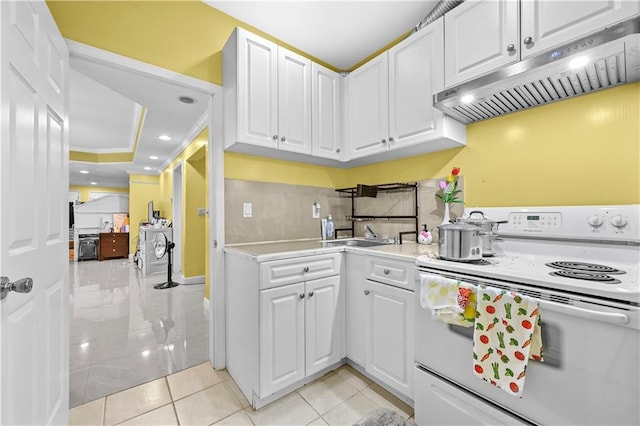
(284, 249)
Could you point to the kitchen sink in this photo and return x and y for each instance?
(353, 243)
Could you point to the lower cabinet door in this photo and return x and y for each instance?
(281, 337)
(390, 336)
(324, 322)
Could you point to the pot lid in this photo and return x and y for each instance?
(458, 226)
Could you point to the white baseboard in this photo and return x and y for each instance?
(199, 279)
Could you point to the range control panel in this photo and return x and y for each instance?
(535, 220)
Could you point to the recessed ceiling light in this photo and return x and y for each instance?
(84, 172)
(153, 157)
(187, 100)
(94, 183)
(147, 168)
(164, 138)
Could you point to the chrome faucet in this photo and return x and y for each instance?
(371, 231)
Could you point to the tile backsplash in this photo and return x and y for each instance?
(283, 212)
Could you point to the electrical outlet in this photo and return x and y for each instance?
(202, 211)
(315, 211)
(246, 210)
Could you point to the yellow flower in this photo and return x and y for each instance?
(450, 178)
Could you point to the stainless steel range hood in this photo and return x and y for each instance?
(605, 59)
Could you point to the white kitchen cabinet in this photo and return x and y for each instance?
(390, 336)
(267, 94)
(368, 108)
(550, 23)
(483, 36)
(380, 319)
(357, 308)
(326, 113)
(280, 331)
(390, 102)
(480, 36)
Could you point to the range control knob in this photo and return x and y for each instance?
(619, 221)
(595, 221)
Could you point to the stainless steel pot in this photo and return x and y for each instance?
(488, 227)
(460, 242)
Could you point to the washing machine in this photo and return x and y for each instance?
(148, 262)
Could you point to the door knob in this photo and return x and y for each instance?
(23, 285)
(310, 294)
(528, 40)
(301, 296)
(366, 292)
(306, 269)
(511, 48)
(386, 272)
(338, 150)
(275, 137)
(283, 138)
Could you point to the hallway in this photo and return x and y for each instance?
(123, 332)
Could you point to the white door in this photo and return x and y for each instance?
(546, 24)
(368, 108)
(257, 90)
(480, 36)
(415, 74)
(326, 101)
(390, 336)
(324, 324)
(34, 173)
(281, 337)
(294, 102)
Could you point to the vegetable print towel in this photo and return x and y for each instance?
(450, 301)
(506, 335)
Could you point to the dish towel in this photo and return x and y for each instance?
(450, 301)
(506, 335)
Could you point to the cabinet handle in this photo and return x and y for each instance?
(338, 150)
(310, 294)
(386, 272)
(275, 137)
(366, 292)
(511, 48)
(528, 40)
(384, 141)
(390, 139)
(283, 139)
(301, 296)
(306, 269)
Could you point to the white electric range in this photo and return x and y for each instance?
(590, 311)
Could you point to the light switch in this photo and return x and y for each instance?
(246, 210)
(315, 211)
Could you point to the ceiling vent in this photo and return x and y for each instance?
(606, 59)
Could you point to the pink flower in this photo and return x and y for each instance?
(443, 184)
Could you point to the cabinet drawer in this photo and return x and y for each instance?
(388, 271)
(299, 269)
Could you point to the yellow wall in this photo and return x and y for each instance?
(142, 189)
(182, 36)
(579, 151)
(193, 189)
(85, 190)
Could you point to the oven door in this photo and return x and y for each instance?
(590, 373)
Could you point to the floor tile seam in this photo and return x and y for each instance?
(140, 414)
(308, 402)
(204, 389)
(381, 396)
(232, 414)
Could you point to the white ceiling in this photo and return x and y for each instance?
(104, 112)
(340, 33)
(106, 101)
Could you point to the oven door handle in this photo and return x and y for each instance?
(609, 317)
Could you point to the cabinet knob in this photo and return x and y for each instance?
(386, 272)
(301, 296)
(305, 269)
(275, 137)
(511, 48)
(338, 150)
(283, 138)
(366, 292)
(384, 141)
(390, 139)
(528, 40)
(310, 294)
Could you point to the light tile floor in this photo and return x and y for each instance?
(123, 332)
(203, 396)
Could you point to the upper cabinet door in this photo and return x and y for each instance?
(546, 24)
(480, 36)
(294, 102)
(368, 108)
(257, 87)
(415, 74)
(326, 98)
